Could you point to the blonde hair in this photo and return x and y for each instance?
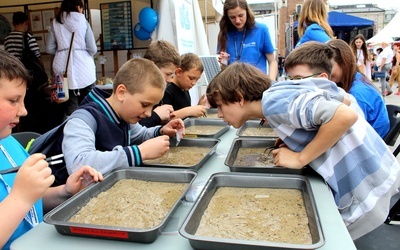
(314, 11)
(138, 73)
(163, 53)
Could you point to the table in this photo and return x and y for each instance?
(45, 236)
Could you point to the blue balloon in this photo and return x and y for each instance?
(140, 33)
(148, 19)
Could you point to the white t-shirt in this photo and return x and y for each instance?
(386, 53)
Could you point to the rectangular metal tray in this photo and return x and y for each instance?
(191, 142)
(241, 142)
(253, 124)
(250, 180)
(206, 122)
(60, 216)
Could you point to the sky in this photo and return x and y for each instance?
(384, 4)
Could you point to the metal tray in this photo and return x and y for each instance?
(211, 113)
(60, 216)
(206, 122)
(250, 180)
(241, 142)
(251, 124)
(190, 142)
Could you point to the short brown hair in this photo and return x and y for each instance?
(317, 56)
(191, 61)
(138, 73)
(238, 79)
(11, 68)
(163, 53)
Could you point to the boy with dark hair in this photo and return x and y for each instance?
(177, 92)
(318, 129)
(167, 59)
(116, 140)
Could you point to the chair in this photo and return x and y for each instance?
(394, 117)
(25, 137)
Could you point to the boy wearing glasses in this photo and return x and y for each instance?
(318, 128)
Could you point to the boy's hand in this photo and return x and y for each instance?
(197, 111)
(204, 101)
(154, 148)
(32, 180)
(164, 112)
(81, 179)
(284, 157)
(171, 128)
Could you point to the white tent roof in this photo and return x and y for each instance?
(391, 30)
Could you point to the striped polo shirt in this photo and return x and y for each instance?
(14, 44)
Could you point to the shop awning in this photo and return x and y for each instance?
(340, 20)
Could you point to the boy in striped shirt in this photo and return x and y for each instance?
(319, 128)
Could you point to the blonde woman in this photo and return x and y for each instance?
(360, 51)
(313, 23)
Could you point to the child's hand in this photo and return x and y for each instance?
(284, 157)
(81, 179)
(198, 111)
(32, 180)
(164, 112)
(204, 101)
(171, 128)
(154, 148)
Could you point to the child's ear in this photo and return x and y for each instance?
(178, 71)
(120, 92)
(241, 98)
(325, 75)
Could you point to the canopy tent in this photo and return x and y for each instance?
(391, 30)
(343, 21)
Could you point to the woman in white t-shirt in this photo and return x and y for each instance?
(360, 51)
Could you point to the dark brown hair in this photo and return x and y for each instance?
(238, 79)
(346, 60)
(364, 48)
(226, 25)
(317, 56)
(11, 68)
(68, 6)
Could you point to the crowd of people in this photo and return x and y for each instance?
(326, 111)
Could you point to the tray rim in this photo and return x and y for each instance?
(194, 240)
(156, 230)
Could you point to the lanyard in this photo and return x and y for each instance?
(238, 54)
(33, 220)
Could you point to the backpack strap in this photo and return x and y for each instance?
(46, 142)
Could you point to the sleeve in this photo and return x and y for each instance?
(51, 45)
(268, 47)
(168, 96)
(151, 121)
(33, 46)
(79, 149)
(90, 41)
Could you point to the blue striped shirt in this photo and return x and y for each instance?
(359, 168)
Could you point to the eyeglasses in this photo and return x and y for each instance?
(301, 77)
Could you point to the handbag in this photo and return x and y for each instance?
(59, 88)
(39, 78)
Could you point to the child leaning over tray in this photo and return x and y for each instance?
(318, 129)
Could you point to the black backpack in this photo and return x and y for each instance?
(39, 78)
(50, 143)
